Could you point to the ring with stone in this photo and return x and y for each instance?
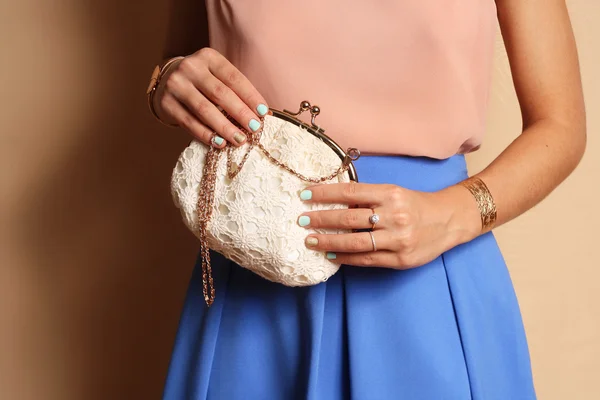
(374, 219)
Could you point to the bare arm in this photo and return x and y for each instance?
(544, 64)
(420, 226)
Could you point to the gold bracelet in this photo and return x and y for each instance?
(157, 74)
(485, 202)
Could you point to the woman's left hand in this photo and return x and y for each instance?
(414, 227)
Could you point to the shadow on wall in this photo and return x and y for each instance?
(110, 255)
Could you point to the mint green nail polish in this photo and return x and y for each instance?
(254, 124)
(262, 109)
(306, 195)
(304, 220)
(218, 140)
(331, 256)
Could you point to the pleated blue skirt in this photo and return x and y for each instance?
(450, 329)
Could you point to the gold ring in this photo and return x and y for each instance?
(373, 241)
(374, 219)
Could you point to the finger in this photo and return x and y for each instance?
(346, 193)
(385, 258)
(223, 95)
(227, 73)
(353, 218)
(208, 113)
(358, 242)
(189, 122)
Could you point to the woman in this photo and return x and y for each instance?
(431, 312)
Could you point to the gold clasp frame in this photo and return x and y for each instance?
(352, 154)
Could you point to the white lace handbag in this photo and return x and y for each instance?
(246, 205)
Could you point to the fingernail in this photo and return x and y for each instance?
(303, 220)
(218, 140)
(306, 195)
(312, 241)
(254, 124)
(331, 256)
(239, 138)
(262, 109)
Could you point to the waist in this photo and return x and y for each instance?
(415, 173)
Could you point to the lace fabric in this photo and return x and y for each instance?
(254, 219)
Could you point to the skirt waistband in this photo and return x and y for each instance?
(416, 173)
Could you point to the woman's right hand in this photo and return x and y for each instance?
(191, 90)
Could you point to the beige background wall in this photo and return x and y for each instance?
(94, 261)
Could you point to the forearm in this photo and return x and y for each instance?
(545, 69)
(533, 166)
(524, 173)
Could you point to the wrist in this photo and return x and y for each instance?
(159, 112)
(156, 89)
(464, 217)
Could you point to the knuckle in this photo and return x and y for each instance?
(187, 121)
(368, 260)
(227, 129)
(324, 242)
(206, 53)
(165, 104)
(187, 65)
(395, 194)
(173, 81)
(400, 260)
(349, 191)
(255, 99)
(204, 135)
(233, 77)
(349, 220)
(245, 114)
(219, 91)
(401, 218)
(356, 245)
(405, 260)
(408, 242)
(315, 221)
(202, 107)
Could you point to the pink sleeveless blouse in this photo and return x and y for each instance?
(407, 77)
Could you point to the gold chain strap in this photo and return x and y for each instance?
(206, 196)
(341, 169)
(204, 212)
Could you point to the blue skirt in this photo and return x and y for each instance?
(450, 329)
